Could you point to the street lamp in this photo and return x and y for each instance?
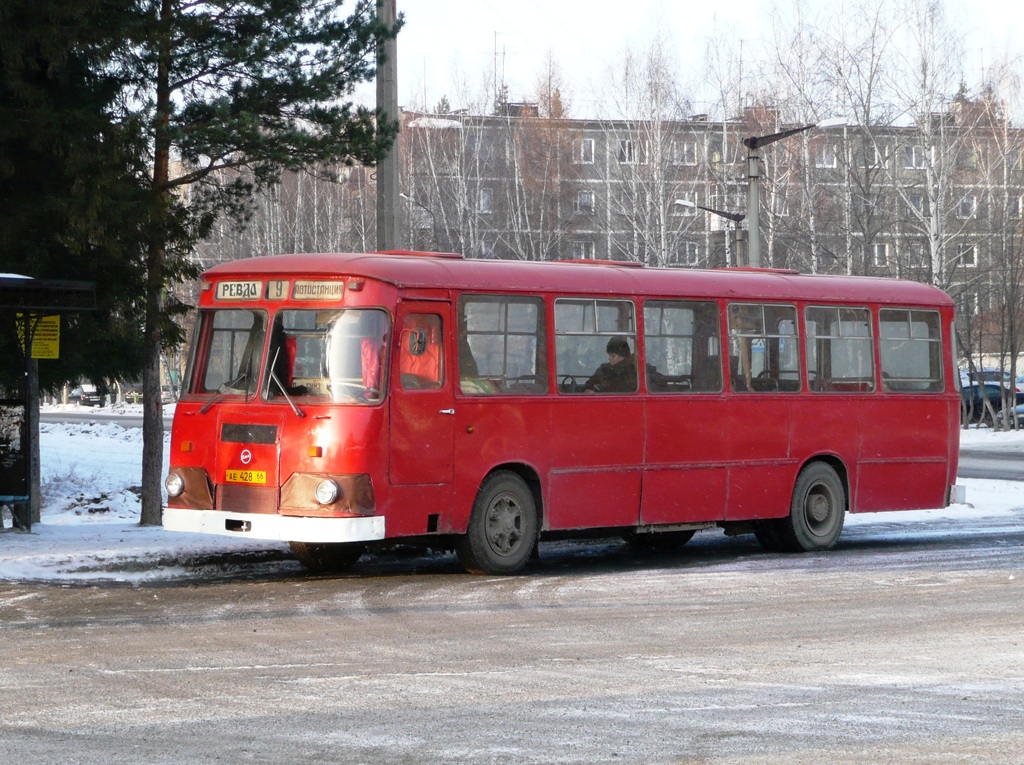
(734, 217)
(754, 144)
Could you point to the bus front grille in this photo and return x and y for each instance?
(247, 499)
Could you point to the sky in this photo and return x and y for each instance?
(89, 530)
(447, 40)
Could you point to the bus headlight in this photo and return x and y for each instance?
(326, 492)
(174, 484)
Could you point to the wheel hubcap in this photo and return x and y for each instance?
(504, 524)
(818, 509)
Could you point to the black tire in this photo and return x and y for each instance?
(817, 512)
(502, 530)
(770, 535)
(663, 542)
(318, 556)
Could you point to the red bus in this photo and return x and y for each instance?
(336, 400)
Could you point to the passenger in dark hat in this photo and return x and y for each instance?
(619, 374)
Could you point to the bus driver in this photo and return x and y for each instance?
(619, 374)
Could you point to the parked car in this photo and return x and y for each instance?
(1018, 413)
(984, 374)
(974, 396)
(87, 395)
(132, 392)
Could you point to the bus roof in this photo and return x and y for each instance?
(448, 271)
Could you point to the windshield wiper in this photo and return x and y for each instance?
(275, 378)
(227, 386)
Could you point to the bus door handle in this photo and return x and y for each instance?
(447, 411)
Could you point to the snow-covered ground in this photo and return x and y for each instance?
(89, 528)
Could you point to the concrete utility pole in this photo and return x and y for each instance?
(388, 214)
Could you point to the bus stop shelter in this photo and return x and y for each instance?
(26, 306)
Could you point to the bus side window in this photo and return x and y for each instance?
(682, 342)
(911, 350)
(421, 352)
(502, 347)
(763, 348)
(840, 349)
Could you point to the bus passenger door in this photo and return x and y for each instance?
(422, 407)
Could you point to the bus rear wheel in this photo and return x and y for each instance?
(817, 512)
(502, 528)
(317, 556)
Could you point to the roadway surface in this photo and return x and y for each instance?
(981, 463)
(903, 645)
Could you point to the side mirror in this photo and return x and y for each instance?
(417, 341)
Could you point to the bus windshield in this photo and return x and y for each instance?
(332, 355)
(231, 343)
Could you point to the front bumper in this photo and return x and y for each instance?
(275, 527)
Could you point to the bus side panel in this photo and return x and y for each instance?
(596, 444)
(761, 466)
(904, 453)
(685, 475)
(830, 424)
(492, 431)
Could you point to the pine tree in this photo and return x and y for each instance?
(257, 87)
(72, 205)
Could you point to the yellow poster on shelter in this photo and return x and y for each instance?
(45, 335)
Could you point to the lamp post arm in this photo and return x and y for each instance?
(734, 217)
(757, 141)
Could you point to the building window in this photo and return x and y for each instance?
(966, 255)
(918, 203)
(626, 204)
(585, 201)
(630, 152)
(880, 253)
(485, 202)
(967, 304)
(683, 153)
(915, 255)
(913, 157)
(871, 156)
(967, 158)
(825, 156)
(585, 151)
(583, 249)
(966, 207)
(687, 254)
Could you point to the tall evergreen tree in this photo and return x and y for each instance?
(72, 205)
(257, 86)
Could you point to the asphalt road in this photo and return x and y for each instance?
(897, 647)
(980, 463)
(85, 414)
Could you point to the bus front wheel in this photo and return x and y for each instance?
(326, 557)
(502, 528)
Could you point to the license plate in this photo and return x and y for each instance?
(246, 476)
